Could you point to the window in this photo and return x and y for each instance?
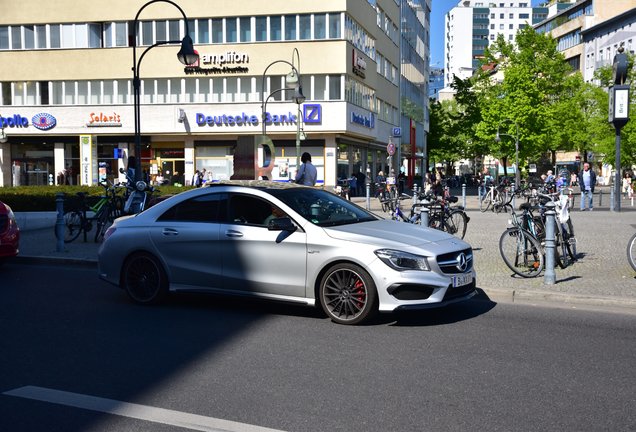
(174, 32)
(205, 209)
(511, 16)
(492, 26)
(304, 27)
(4, 37)
(246, 29)
(230, 30)
(94, 36)
(40, 36)
(320, 26)
(121, 34)
(29, 37)
(55, 36)
(248, 210)
(217, 30)
(334, 26)
(16, 38)
(261, 28)
(68, 36)
(511, 26)
(44, 92)
(290, 27)
(161, 31)
(275, 28)
(203, 32)
(146, 33)
(335, 91)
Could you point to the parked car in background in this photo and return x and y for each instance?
(285, 242)
(9, 234)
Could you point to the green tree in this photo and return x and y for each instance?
(529, 87)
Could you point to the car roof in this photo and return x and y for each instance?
(259, 184)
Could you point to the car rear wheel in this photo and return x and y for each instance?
(144, 279)
(348, 294)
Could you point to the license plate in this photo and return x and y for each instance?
(462, 280)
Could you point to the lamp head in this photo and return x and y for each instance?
(3, 136)
(497, 137)
(299, 97)
(291, 78)
(187, 55)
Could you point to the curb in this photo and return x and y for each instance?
(527, 296)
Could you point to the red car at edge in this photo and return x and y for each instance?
(9, 233)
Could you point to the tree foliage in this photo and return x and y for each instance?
(527, 91)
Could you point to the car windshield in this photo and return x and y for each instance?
(322, 208)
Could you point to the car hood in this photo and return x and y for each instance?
(388, 233)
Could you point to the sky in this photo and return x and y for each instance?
(438, 12)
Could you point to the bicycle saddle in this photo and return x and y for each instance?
(525, 206)
(452, 199)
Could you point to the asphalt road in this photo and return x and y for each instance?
(474, 366)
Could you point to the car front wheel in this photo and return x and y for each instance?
(144, 279)
(348, 294)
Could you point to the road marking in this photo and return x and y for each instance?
(136, 411)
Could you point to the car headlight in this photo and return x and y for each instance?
(401, 261)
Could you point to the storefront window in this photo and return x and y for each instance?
(31, 164)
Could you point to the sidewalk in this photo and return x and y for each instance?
(601, 275)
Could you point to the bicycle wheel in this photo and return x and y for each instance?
(521, 252)
(104, 221)
(498, 202)
(456, 223)
(570, 240)
(485, 203)
(631, 252)
(73, 225)
(561, 254)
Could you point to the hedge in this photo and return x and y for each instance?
(42, 198)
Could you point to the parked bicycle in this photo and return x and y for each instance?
(442, 215)
(80, 219)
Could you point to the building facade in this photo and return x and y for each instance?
(589, 32)
(67, 100)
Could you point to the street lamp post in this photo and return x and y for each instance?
(186, 55)
(292, 78)
(516, 137)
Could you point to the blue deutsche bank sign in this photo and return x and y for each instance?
(312, 113)
(397, 132)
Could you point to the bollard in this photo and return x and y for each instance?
(424, 219)
(368, 195)
(600, 197)
(59, 222)
(415, 195)
(464, 195)
(549, 278)
(611, 199)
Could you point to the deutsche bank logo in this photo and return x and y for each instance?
(312, 113)
(397, 132)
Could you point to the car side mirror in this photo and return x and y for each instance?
(121, 170)
(281, 224)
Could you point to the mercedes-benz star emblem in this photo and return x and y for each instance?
(462, 262)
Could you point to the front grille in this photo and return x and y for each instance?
(450, 263)
(4, 223)
(460, 291)
(411, 291)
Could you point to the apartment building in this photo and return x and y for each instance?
(473, 24)
(66, 101)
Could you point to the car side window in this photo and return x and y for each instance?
(204, 208)
(248, 210)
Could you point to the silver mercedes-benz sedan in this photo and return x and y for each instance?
(286, 242)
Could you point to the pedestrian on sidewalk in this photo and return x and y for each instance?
(587, 182)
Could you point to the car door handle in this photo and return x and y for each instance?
(232, 233)
(170, 232)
